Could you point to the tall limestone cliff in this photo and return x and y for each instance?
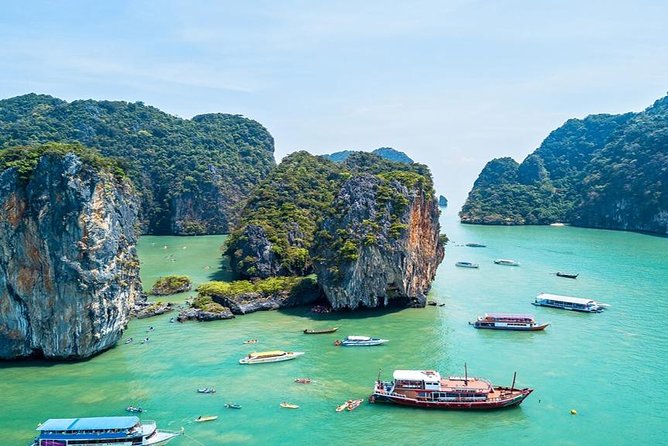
(603, 171)
(191, 174)
(315, 215)
(381, 246)
(69, 271)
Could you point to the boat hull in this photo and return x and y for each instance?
(537, 327)
(293, 355)
(363, 343)
(328, 330)
(581, 310)
(515, 399)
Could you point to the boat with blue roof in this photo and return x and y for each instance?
(97, 431)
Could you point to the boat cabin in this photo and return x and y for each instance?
(568, 302)
(270, 354)
(417, 379)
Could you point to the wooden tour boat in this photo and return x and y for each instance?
(569, 303)
(303, 380)
(322, 331)
(426, 389)
(567, 275)
(476, 245)
(508, 321)
(272, 356)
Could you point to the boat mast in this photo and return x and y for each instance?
(512, 386)
(466, 375)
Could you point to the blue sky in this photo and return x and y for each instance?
(451, 83)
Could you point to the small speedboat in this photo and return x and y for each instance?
(303, 380)
(206, 390)
(321, 331)
(134, 409)
(233, 406)
(360, 341)
(567, 275)
(286, 405)
(506, 262)
(206, 418)
(467, 265)
(272, 356)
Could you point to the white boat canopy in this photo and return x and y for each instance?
(568, 299)
(358, 338)
(416, 375)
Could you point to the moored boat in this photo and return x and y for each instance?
(321, 331)
(568, 303)
(467, 265)
(567, 275)
(476, 245)
(508, 321)
(360, 341)
(203, 418)
(303, 380)
(271, 356)
(233, 406)
(426, 389)
(101, 430)
(506, 262)
(286, 405)
(206, 390)
(134, 409)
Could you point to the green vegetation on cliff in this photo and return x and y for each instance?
(383, 152)
(608, 171)
(191, 174)
(280, 221)
(25, 159)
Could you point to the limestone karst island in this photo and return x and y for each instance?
(368, 224)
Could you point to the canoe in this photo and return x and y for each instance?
(322, 331)
(206, 418)
(354, 404)
(285, 405)
(342, 407)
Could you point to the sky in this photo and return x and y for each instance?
(451, 83)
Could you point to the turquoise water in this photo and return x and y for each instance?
(610, 367)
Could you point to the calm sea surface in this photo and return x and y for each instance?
(611, 367)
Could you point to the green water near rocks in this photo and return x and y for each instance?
(611, 367)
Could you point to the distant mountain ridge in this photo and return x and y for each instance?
(603, 171)
(383, 152)
(191, 174)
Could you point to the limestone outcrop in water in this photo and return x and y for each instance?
(69, 271)
(314, 215)
(381, 245)
(604, 171)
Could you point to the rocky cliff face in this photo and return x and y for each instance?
(69, 271)
(191, 175)
(381, 247)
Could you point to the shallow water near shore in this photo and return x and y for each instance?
(610, 367)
